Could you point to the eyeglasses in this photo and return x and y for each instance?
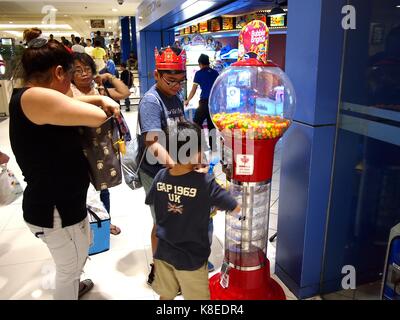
(79, 71)
(172, 84)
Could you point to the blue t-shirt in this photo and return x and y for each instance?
(182, 205)
(205, 78)
(153, 117)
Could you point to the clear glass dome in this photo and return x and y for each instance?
(254, 100)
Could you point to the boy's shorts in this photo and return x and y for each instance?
(168, 282)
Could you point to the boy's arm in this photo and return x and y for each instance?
(221, 198)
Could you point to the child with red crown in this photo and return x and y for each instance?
(160, 108)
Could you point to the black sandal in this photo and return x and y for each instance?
(87, 285)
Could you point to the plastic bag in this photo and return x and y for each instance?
(131, 163)
(10, 188)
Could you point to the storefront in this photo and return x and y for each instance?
(339, 184)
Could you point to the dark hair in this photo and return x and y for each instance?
(184, 134)
(176, 50)
(123, 64)
(37, 61)
(77, 39)
(204, 59)
(97, 43)
(85, 59)
(98, 32)
(89, 40)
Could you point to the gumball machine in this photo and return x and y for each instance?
(252, 105)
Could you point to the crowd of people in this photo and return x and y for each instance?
(44, 138)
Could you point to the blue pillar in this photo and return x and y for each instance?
(133, 36)
(168, 38)
(126, 39)
(147, 41)
(313, 63)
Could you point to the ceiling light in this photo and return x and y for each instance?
(398, 6)
(87, 21)
(43, 26)
(113, 9)
(10, 22)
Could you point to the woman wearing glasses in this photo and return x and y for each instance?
(47, 148)
(84, 83)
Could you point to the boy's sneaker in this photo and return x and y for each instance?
(210, 266)
(150, 279)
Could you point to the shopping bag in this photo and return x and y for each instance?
(131, 163)
(10, 188)
(102, 147)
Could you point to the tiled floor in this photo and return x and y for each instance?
(26, 268)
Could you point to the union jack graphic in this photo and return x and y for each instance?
(174, 208)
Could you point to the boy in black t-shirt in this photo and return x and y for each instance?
(182, 200)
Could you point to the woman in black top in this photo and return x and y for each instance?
(45, 142)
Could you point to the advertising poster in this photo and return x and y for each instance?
(227, 23)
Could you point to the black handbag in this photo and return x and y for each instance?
(102, 147)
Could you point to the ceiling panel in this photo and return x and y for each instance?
(73, 12)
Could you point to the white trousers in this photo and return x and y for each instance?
(69, 248)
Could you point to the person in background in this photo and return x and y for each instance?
(72, 39)
(83, 42)
(160, 108)
(99, 56)
(51, 37)
(116, 51)
(83, 83)
(66, 44)
(100, 38)
(132, 62)
(127, 79)
(182, 218)
(46, 145)
(89, 48)
(77, 47)
(204, 78)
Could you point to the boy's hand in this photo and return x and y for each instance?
(201, 168)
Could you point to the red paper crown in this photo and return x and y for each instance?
(168, 60)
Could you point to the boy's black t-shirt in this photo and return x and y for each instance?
(182, 205)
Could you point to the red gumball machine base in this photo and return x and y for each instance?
(247, 285)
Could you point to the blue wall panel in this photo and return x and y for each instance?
(314, 57)
(133, 36)
(147, 41)
(303, 202)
